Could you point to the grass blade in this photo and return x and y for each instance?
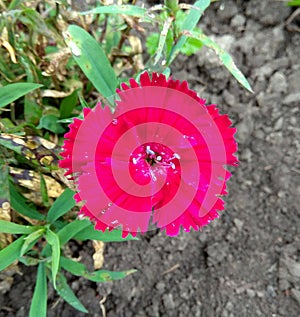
(89, 233)
(90, 57)
(14, 228)
(119, 9)
(225, 58)
(188, 24)
(64, 290)
(80, 269)
(53, 240)
(12, 92)
(18, 203)
(38, 307)
(71, 229)
(11, 253)
(62, 205)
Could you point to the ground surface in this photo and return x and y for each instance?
(247, 263)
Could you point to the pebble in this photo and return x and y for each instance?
(238, 21)
(244, 129)
(271, 291)
(278, 124)
(238, 223)
(291, 98)
(168, 301)
(250, 292)
(278, 83)
(296, 294)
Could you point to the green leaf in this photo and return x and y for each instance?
(191, 46)
(53, 240)
(71, 229)
(120, 9)
(49, 122)
(295, 3)
(18, 202)
(12, 92)
(80, 269)
(4, 183)
(68, 104)
(64, 290)
(92, 60)
(32, 112)
(14, 228)
(151, 43)
(89, 233)
(31, 239)
(62, 205)
(190, 22)
(11, 253)
(225, 58)
(38, 307)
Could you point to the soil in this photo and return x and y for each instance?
(247, 262)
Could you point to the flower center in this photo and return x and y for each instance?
(151, 159)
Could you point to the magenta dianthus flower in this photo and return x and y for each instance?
(159, 159)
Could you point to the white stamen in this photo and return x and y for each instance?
(159, 158)
(149, 151)
(172, 165)
(177, 156)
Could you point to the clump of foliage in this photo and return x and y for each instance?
(56, 59)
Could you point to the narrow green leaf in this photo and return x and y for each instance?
(18, 202)
(89, 233)
(120, 9)
(295, 3)
(62, 205)
(53, 240)
(11, 253)
(12, 92)
(80, 269)
(71, 229)
(38, 307)
(31, 239)
(64, 290)
(225, 58)
(14, 228)
(4, 184)
(90, 57)
(188, 24)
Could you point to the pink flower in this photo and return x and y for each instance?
(158, 159)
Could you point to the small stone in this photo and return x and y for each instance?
(271, 291)
(168, 301)
(246, 155)
(229, 98)
(160, 287)
(250, 292)
(296, 294)
(291, 98)
(278, 83)
(278, 124)
(244, 129)
(238, 21)
(238, 223)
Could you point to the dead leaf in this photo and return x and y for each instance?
(98, 255)
(31, 180)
